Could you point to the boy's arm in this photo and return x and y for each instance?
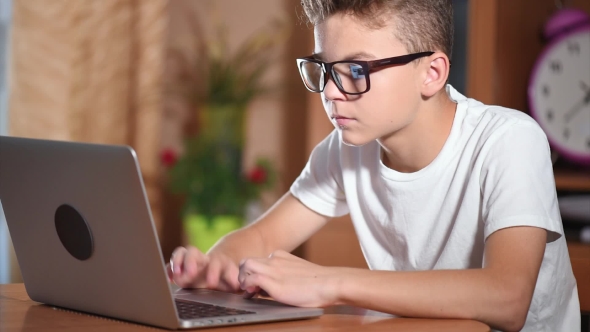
(499, 294)
(284, 227)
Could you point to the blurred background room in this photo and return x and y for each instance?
(209, 96)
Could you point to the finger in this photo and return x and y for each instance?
(249, 269)
(177, 259)
(230, 276)
(248, 294)
(169, 272)
(254, 265)
(213, 273)
(194, 262)
(194, 268)
(257, 292)
(256, 283)
(182, 258)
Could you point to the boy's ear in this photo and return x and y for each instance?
(437, 74)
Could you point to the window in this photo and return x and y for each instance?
(5, 18)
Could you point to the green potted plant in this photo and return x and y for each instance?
(209, 173)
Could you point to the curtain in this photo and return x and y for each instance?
(91, 71)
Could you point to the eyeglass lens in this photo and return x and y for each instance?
(348, 76)
(313, 75)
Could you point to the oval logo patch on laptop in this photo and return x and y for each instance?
(73, 232)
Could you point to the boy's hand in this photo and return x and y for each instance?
(289, 279)
(190, 268)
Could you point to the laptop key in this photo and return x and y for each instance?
(192, 310)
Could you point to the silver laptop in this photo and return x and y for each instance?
(85, 240)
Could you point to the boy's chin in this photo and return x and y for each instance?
(354, 139)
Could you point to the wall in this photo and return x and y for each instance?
(264, 132)
(276, 123)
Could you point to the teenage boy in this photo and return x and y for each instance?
(453, 201)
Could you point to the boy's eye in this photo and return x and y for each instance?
(357, 71)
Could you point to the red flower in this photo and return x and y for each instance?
(257, 175)
(169, 158)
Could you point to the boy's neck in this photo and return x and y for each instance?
(415, 146)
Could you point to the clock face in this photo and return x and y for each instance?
(559, 94)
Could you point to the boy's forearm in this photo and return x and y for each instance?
(284, 227)
(468, 294)
(240, 244)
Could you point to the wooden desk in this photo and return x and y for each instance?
(19, 313)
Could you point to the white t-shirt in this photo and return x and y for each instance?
(493, 172)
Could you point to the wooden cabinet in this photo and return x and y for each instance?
(580, 257)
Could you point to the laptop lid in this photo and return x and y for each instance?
(74, 211)
(85, 240)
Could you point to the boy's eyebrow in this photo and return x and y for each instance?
(352, 56)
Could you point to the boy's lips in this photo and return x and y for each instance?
(342, 120)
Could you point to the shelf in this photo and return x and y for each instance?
(572, 180)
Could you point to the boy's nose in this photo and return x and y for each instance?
(331, 91)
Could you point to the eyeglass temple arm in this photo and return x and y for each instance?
(398, 60)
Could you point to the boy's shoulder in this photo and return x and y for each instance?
(481, 124)
(492, 120)
(477, 109)
(496, 134)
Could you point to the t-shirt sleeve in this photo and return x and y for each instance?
(518, 186)
(319, 186)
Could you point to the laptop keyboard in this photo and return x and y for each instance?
(192, 310)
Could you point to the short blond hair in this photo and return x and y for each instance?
(421, 25)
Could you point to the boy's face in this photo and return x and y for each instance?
(392, 102)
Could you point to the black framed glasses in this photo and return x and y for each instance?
(351, 76)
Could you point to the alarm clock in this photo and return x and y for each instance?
(559, 85)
